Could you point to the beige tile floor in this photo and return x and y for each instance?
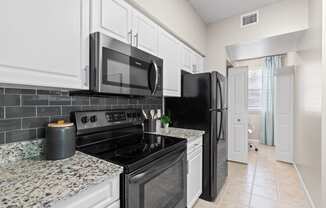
(263, 183)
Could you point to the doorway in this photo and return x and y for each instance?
(255, 100)
(261, 98)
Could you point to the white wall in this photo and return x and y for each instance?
(324, 107)
(284, 17)
(308, 104)
(179, 17)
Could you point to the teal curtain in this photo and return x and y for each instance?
(272, 63)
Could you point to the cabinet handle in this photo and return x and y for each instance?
(86, 75)
(130, 37)
(137, 40)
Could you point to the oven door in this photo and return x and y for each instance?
(160, 184)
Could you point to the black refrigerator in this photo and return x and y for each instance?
(202, 106)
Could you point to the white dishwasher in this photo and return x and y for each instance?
(194, 177)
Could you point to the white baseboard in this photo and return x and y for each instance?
(312, 204)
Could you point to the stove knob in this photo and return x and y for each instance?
(93, 118)
(84, 119)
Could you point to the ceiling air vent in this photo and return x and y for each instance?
(249, 19)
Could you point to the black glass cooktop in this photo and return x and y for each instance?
(134, 151)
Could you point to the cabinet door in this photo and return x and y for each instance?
(114, 205)
(194, 62)
(200, 64)
(145, 33)
(169, 49)
(113, 18)
(194, 178)
(186, 59)
(103, 195)
(197, 63)
(44, 43)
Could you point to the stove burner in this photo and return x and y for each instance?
(139, 149)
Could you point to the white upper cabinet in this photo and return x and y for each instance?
(113, 18)
(197, 63)
(44, 43)
(194, 62)
(169, 51)
(186, 56)
(201, 64)
(117, 19)
(145, 33)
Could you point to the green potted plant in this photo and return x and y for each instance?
(165, 120)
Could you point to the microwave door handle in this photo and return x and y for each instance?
(156, 77)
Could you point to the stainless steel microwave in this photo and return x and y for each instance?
(119, 68)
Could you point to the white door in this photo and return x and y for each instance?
(44, 43)
(168, 50)
(283, 130)
(238, 114)
(113, 18)
(145, 33)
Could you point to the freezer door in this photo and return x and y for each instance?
(192, 109)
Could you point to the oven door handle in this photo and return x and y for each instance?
(167, 163)
(153, 91)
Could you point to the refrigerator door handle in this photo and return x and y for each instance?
(221, 127)
(220, 92)
(214, 109)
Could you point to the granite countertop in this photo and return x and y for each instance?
(189, 134)
(39, 183)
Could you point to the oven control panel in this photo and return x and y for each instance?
(115, 116)
(107, 118)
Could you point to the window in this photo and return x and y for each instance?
(255, 82)
(255, 89)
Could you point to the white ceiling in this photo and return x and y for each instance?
(215, 10)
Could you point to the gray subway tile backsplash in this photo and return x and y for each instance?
(17, 112)
(123, 100)
(34, 122)
(35, 100)
(59, 100)
(2, 138)
(24, 113)
(19, 91)
(67, 109)
(48, 111)
(20, 135)
(9, 100)
(2, 112)
(48, 92)
(98, 101)
(80, 100)
(9, 124)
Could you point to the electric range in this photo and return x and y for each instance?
(155, 167)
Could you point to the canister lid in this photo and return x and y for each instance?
(60, 124)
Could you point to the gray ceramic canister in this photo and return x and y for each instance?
(60, 141)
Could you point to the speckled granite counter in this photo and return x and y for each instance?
(39, 183)
(188, 134)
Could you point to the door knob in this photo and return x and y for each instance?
(238, 119)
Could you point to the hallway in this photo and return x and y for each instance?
(264, 183)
